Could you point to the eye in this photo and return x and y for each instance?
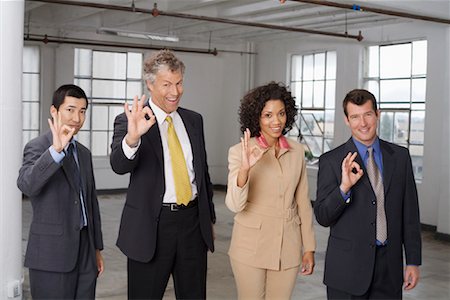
(83, 112)
(283, 113)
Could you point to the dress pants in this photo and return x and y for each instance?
(180, 252)
(381, 286)
(257, 283)
(79, 283)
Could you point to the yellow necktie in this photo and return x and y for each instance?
(179, 169)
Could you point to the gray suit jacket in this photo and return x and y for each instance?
(350, 257)
(55, 229)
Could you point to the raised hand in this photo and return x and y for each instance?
(138, 124)
(351, 172)
(250, 156)
(62, 134)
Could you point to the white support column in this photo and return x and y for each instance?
(11, 45)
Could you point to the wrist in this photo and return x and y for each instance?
(131, 141)
(344, 188)
(57, 149)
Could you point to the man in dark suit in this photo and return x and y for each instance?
(167, 221)
(367, 195)
(63, 253)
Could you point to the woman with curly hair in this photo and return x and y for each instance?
(273, 237)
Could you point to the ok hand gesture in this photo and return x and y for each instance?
(250, 156)
(351, 172)
(62, 133)
(138, 124)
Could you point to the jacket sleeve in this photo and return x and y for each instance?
(329, 204)
(37, 168)
(411, 219)
(119, 162)
(305, 210)
(236, 198)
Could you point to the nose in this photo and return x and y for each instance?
(174, 90)
(76, 118)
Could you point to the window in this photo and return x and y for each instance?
(108, 78)
(30, 93)
(313, 84)
(396, 75)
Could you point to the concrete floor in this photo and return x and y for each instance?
(435, 271)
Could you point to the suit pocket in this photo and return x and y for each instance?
(246, 231)
(46, 229)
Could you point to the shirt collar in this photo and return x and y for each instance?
(160, 114)
(282, 141)
(362, 149)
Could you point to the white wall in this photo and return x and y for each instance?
(272, 62)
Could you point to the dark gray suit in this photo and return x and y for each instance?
(54, 239)
(350, 256)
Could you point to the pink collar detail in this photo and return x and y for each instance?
(282, 142)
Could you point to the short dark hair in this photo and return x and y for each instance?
(68, 90)
(359, 97)
(254, 101)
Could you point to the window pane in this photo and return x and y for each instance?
(30, 59)
(99, 143)
(87, 120)
(419, 61)
(30, 115)
(418, 90)
(134, 88)
(395, 90)
(82, 65)
(329, 123)
(99, 117)
(108, 89)
(109, 65)
(395, 61)
(114, 111)
(331, 65)
(30, 87)
(330, 94)
(307, 94)
(319, 66)
(373, 87)
(308, 67)
(84, 137)
(296, 90)
(401, 127)
(85, 84)
(296, 68)
(386, 126)
(319, 87)
(314, 121)
(314, 144)
(327, 145)
(373, 61)
(134, 68)
(417, 127)
(28, 135)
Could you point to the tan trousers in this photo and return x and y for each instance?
(255, 283)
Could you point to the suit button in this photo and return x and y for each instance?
(373, 202)
(76, 202)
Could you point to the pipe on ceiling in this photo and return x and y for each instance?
(376, 10)
(156, 12)
(57, 40)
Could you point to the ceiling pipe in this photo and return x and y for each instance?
(51, 39)
(156, 12)
(363, 8)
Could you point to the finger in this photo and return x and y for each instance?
(353, 156)
(141, 101)
(126, 109)
(52, 127)
(134, 108)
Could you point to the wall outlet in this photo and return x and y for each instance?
(14, 289)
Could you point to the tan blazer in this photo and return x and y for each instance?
(274, 219)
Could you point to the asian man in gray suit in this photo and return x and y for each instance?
(63, 253)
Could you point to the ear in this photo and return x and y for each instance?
(53, 110)
(149, 85)
(346, 121)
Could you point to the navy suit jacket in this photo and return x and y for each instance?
(54, 237)
(350, 256)
(140, 216)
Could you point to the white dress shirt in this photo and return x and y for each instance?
(130, 153)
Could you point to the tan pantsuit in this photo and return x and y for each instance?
(273, 225)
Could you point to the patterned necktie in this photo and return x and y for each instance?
(377, 185)
(179, 169)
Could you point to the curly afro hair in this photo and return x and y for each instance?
(254, 101)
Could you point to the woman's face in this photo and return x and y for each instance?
(272, 120)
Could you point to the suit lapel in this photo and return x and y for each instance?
(153, 137)
(388, 164)
(351, 147)
(194, 138)
(83, 158)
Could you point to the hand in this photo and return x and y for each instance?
(349, 178)
(137, 121)
(307, 266)
(411, 277)
(62, 133)
(100, 263)
(250, 156)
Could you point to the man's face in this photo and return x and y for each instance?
(167, 89)
(72, 112)
(363, 121)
